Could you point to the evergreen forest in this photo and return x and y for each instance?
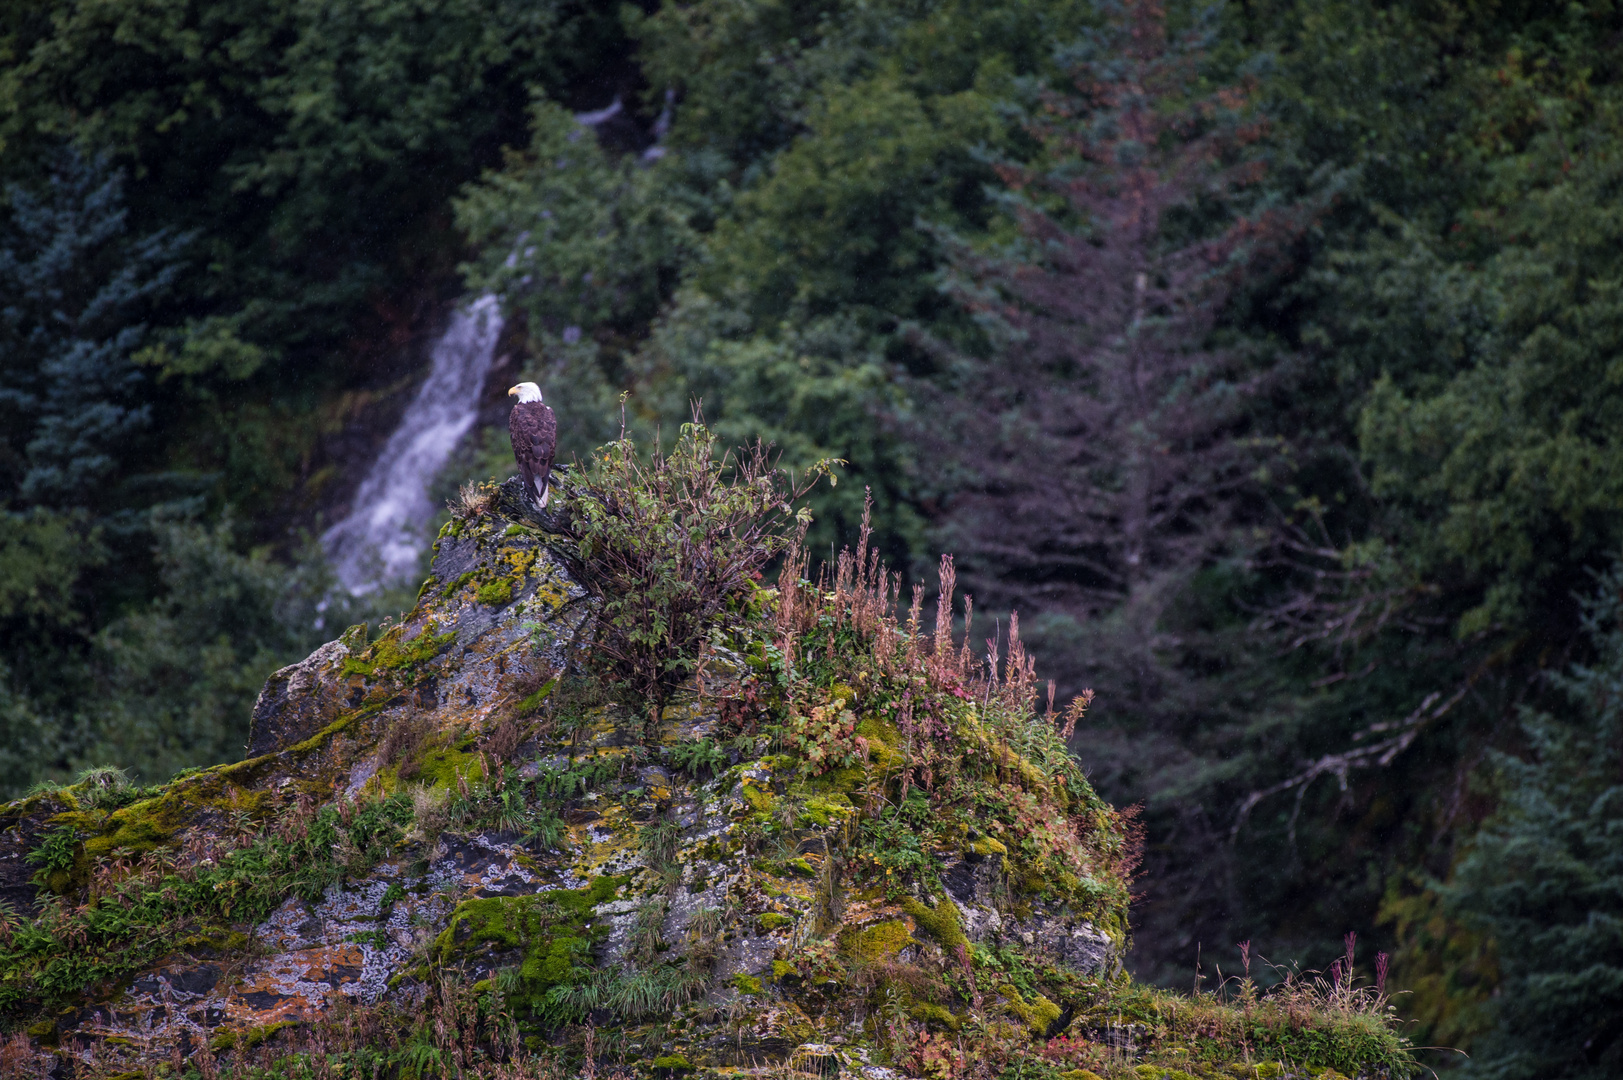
(1262, 358)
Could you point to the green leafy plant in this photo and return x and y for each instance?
(55, 854)
(670, 546)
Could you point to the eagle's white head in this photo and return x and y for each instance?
(526, 392)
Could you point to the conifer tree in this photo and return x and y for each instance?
(1109, 430)
(74, 285)
(1544, 877)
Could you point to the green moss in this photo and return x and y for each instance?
(773, 920)
(823, 812)
(1038, 1015)
(671, 1065)
(439, 768)
(783, 969)
(927, 1013)
(1080, 1074)
(535, 700)
(229, 1040)
(152, 823)
(142, 826)
(451, 589)
(495, 593)
(219, 939)
(550, 929)
(510, 921)
(801, 867)
(884, 741)
(940, 922)
(985, 846)
(746, 984)
(841, 783)
(761, 801)
(877, 943)
(390, 653)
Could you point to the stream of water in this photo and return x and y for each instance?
(383, 538)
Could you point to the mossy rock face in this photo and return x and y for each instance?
(447, 808)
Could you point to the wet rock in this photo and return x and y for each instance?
(292, 705)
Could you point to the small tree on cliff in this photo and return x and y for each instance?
(669, 546)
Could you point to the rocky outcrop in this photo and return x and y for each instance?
(450, 802)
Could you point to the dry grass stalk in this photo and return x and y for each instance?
(474, 500)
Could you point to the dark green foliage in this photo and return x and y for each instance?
(77, 288)
(179, 677)
(1544, 876)
(313, 146)
(670, 549)
(55, 852)
(785, 230)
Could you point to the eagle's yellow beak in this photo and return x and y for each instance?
(511, 390)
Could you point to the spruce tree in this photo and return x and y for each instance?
(1544, 877)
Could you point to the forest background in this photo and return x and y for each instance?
(1265, 357)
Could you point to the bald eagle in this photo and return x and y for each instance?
(535, 438)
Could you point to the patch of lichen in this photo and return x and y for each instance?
(502, 576)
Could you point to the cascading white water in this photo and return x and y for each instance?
(383, 537)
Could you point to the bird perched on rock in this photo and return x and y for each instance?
(535, 439)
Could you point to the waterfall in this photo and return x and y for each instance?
(383, 538)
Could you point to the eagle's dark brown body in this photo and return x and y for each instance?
(535, 441)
